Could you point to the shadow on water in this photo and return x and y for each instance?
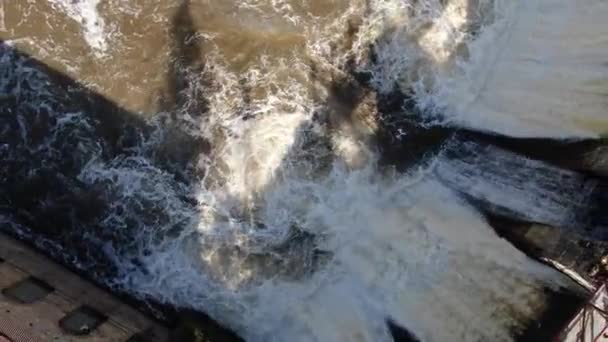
(183, 97)
(39, 175)
(52, 128)
(185, 59)
(49, 133)
(405, 138)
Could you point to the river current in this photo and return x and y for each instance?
(297, 168)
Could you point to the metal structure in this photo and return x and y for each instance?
(591, 322)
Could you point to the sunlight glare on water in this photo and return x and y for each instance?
(284, 225)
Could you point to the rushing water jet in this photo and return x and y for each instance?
(255, 179)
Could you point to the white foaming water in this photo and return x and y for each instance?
(295, 232)
(286, 243)
(285, 247)
(2, 23)
(86, 12)
(414, 253)
(508, 179)
(537, 69)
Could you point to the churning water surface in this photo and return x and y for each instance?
(235, 164)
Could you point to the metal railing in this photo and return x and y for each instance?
(591, 322)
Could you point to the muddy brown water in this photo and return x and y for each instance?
(141, 37)
(237, 59)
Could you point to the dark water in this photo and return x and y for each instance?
(279, 191)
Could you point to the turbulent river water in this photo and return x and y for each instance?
(238, 156)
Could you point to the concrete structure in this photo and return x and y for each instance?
(42, 301)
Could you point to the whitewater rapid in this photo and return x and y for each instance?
(255, 191)
(518, 68)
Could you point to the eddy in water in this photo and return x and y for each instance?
(296, 169)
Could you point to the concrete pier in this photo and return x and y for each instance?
(42, 301)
